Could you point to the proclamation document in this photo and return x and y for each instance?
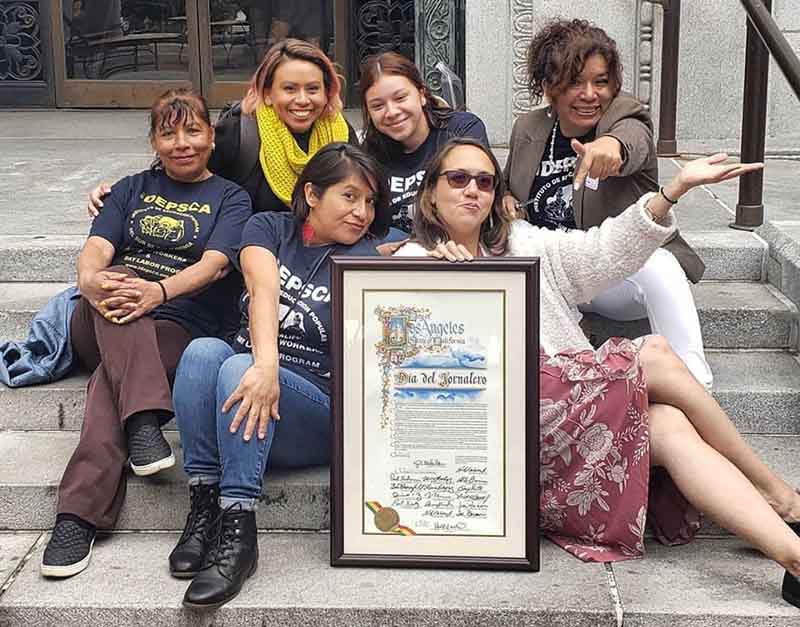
(434, 413)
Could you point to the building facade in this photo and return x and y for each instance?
(121, 53)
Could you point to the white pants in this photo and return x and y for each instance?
(660, 292)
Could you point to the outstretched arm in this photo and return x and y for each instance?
(585, 263)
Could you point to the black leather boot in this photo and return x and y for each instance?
(790, 590)
(232, 558)
(187, 557)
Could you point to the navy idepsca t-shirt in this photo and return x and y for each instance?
(406, 169)
(159, 227)
(304, 313)
(550, 198)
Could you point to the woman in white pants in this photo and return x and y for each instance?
(660, 293)
(588, 156)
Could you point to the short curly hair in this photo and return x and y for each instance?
(559, 50)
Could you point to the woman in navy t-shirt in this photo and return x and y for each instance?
(149, 276)
(405, 125)
(231, 402)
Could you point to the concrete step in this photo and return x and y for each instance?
(733, 314)
(31, 465)
(708, 582)
(728, 255)
(759, 389)
(19, 302)
(295, 586)
(39, 257)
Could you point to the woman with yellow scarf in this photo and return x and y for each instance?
(295, 99)
(292, 109)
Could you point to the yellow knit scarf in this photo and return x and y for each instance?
(282, 160)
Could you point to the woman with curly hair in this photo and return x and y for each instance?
(587, 156)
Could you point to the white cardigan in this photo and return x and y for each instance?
(577, 265)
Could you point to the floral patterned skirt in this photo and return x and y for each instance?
(596, 485)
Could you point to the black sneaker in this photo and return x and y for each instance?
(149, 452)
(69, 550)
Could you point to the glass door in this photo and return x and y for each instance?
(235, 34)
(123, 53)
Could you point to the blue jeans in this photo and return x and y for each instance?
(207, 374)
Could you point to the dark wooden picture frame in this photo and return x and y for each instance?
(528, 271)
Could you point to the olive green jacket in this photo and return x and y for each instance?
(626, 120)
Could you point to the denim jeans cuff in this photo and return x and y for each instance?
(203, 479)
(248, 505)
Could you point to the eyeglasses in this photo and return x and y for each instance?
(458, 179)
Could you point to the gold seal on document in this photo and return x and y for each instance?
(386, 519)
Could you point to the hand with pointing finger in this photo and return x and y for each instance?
(599, 159)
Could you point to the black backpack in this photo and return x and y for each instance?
(249, 142)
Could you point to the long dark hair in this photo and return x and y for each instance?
(176, 107)
(429, 230)
(331, 165)
(436, 110)
(559, 50)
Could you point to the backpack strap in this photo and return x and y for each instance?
(249, 142)
(249, 146)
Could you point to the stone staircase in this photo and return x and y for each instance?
(749, 327)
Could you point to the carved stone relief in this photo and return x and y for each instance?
(522, 30)
(440, 36)
(383, 25)
(20, 42)
(645, 27)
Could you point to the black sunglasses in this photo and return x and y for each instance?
(458, 179)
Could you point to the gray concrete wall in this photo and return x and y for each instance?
(713, 38)
(711, 74)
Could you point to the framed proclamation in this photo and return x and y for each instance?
(435, 402)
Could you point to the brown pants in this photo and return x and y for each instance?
(133, 365)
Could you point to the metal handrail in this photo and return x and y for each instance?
(667, 145)
(764, 38)
(750, 205)
(760, 17)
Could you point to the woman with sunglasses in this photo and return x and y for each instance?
(587, 156)
(404, 127)
(608, 415)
